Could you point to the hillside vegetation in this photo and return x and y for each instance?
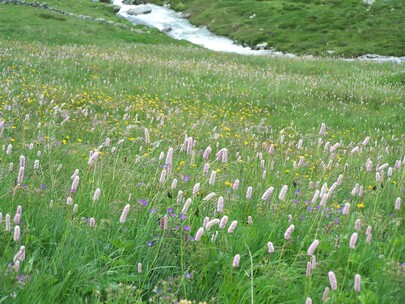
(137, 170)
(319, 27)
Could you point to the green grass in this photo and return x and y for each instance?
(33, 25)
(348, 28)
(61, 99)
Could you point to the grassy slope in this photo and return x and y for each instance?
(350, 28)
(125, 86)
(34, 25)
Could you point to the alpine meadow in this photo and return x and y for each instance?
(140, 169)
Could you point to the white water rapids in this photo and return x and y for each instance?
(178, 27)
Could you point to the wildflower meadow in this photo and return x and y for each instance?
(136, 173)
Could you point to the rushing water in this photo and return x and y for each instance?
(178, 27)
(163, 18)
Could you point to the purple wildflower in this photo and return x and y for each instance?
(143, 202)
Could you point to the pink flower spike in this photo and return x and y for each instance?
(22, 161)
(124, 213)
(17, 266)
(20, 255)
(270, 247)
(313, 247)
(315, 197)
(207, 152)
(224, 155)
(220, 205)
(75, 184)
(283, 193)
(357, 282)
(354, 150)
(9, 149)
(236, 261)
(147, 137)
(398, 203)
(325, 294)
(266, 195)
(165, 222)
(287, 234)
(249, 192)
(169, 156)
(324, 200)
(96, 195)
(199, 234)
(180, 197)
(353, 240)
(92, 222)
(20, 175)
(232, 227)
(196, 188)
(162, 176)
(223, 222)
(382, 167)
(8, 222)
(209, 196)
(323, 129)
(313, 262)
(308, 301)
(339, 180)
(212, 177)
(17, 218)
(17, 233)
(174, 184)
(332, 280)
(211, 223)
(93, 158)
(346, 209)
(308, 271)
(76, 173)
(235, 185)
(357, 224)
(186, 206)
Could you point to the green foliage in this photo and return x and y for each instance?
(349, 28)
